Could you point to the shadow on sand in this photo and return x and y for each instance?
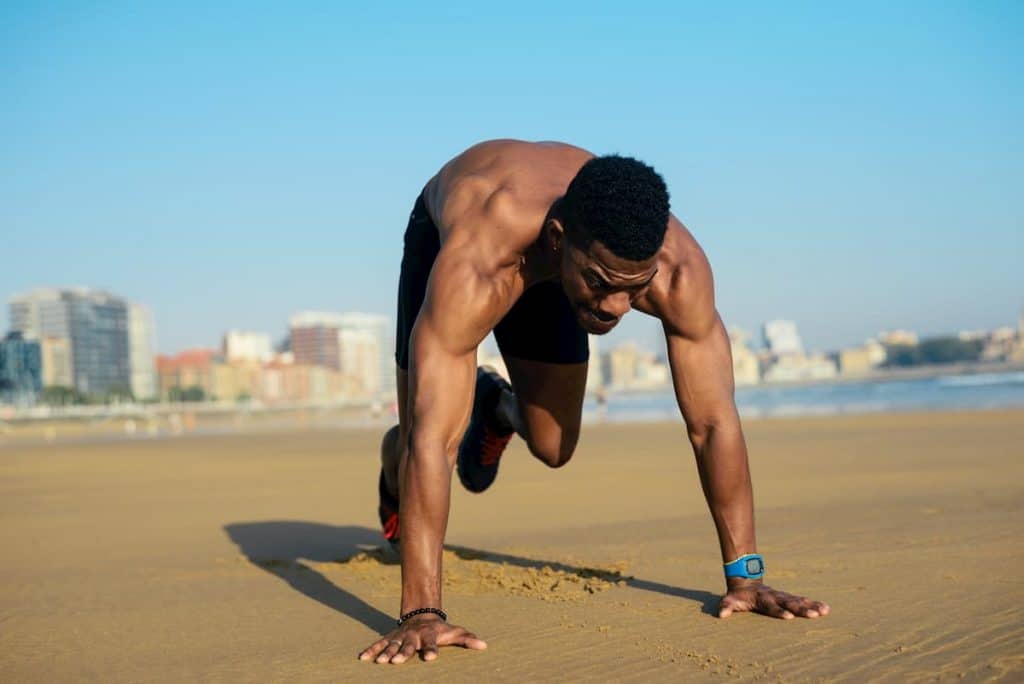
(279, 547)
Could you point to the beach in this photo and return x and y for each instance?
(255, 557)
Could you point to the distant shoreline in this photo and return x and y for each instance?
(635, 405)
(64, 433)
(884, 375)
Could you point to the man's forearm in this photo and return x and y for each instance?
(725, 478)
(426, 491)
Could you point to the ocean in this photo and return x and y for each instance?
(980, 391)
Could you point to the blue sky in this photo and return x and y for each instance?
(854, 168)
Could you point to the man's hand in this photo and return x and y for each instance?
(422, 634)
(760, 598)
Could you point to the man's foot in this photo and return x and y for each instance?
(485, 438)
(388, 512)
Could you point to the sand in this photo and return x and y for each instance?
(255, 558)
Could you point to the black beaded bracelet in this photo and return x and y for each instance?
(420, 611)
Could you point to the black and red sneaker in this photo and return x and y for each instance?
(485, 440)
(387, 509)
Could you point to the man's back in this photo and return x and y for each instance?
(502, 185)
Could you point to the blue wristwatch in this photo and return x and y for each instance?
(749, 566)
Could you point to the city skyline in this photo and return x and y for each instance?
(757, 334)
(854, 173)
(79, 345)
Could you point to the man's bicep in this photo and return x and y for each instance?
(456, 315)
(459, 307)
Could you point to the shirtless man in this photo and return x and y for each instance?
(543, 243)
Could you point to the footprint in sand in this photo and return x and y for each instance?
(475, 572)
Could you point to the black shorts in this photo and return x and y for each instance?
(541, 325)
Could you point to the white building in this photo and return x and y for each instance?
(243, 345)
(360, 358)
(746, 368)
(876, 352)
(893, 338)
(141, 347)
(972, 335)
(781, 337)
(381, 379)
(631, 368)
(799, 368)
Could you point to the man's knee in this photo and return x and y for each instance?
(389, 445)
(391, 457)
(554, 449)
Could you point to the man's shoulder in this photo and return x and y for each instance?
(683, 294)
(494, 211)
(516, 146)
(507, 178)
(490, 210)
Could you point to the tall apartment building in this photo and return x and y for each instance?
(355, 344)
(56, 356)
(141, 345)
(314, 339)
(20, 369)
(41, 313)
(96, 325)
(376, 374)
(360, 358)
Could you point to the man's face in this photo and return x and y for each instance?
(602, 287)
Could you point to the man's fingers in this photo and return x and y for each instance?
(408, 650)
(473, 642)
(429, 650)
(799, 606)
(731, 604)
(804, 607)
(375, 648)
(390, 652)
(771, 602)
(770, 607)
(398, 649)
(462, 637)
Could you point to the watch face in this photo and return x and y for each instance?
(754, 566)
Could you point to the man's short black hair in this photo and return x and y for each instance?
(620, 202)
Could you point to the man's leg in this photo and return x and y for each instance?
(545, 407)
(396, 439)
(391, 458)
(546, 353)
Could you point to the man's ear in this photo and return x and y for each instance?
(555, 232)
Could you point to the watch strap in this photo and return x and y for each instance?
(748, 566)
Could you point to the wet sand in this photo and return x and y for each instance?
(254, 558)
